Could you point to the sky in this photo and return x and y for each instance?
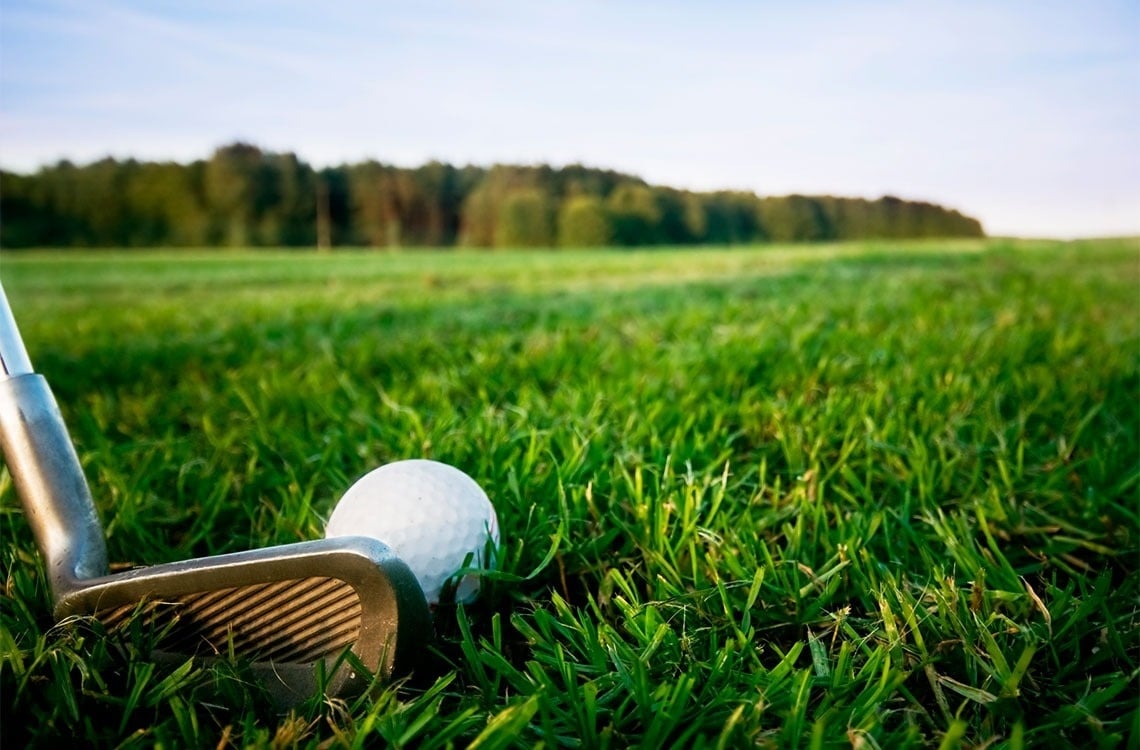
(1024, 114)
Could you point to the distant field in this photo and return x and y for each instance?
(854, 495)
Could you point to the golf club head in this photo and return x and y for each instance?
(293, 613)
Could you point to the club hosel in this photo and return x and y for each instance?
(50, 482)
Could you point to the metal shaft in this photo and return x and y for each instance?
(45, 468)
(13, 356)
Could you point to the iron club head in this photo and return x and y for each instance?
(290, 612)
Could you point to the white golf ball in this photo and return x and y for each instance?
(432, 516)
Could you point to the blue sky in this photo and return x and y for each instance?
(1023, 114)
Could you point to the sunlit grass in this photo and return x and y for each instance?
(841, 496)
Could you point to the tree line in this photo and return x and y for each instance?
(243, 196)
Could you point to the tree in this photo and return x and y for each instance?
(166, 206)
(795, 218)
(442, 187)
(235, 192)
(374, 205)
(338, 195)
(244, 196)
(525, 220)
(583, 222)
(733, 218)
(61, 194)
(683, 217)
(289, 211)
(479, 218)
(27, 220)
(634, 214)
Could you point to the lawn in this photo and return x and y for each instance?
(857, 495)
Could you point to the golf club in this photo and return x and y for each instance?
(291, 612)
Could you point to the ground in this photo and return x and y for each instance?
(859, 495)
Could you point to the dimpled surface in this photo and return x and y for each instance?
(433, 515)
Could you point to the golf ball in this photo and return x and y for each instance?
(432, 516)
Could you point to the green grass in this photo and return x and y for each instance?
(838, 496)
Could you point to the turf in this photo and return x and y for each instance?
(867, 495)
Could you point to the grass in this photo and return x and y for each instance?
(839, 496)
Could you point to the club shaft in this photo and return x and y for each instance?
(45, 468)
(50, 482)
(13, 356)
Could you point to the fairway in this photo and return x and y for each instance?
(844, 495)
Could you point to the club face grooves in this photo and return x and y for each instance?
(298, 621)
(291, 613)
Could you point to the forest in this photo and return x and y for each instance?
(243, 196)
